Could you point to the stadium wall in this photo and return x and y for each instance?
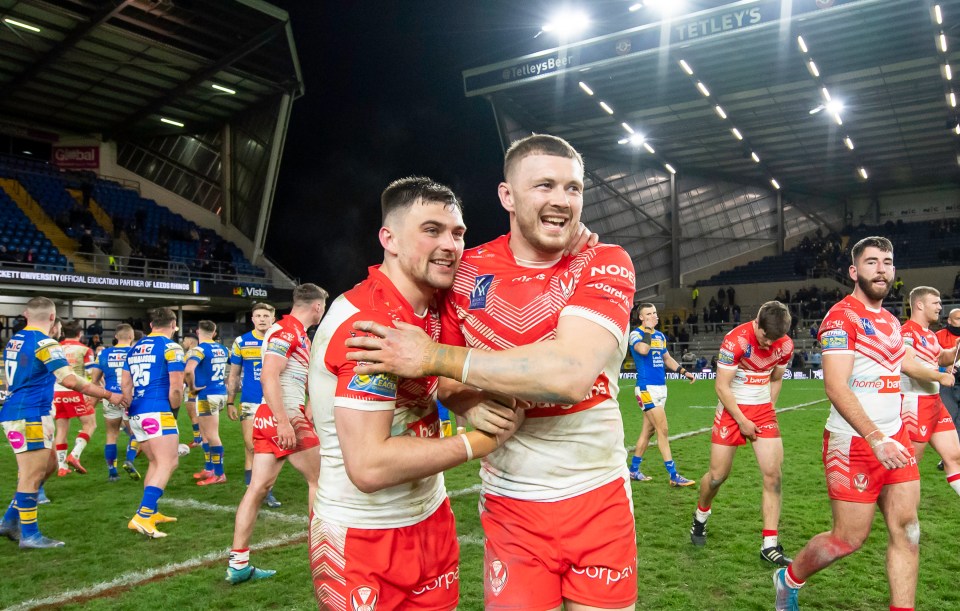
(909, 205)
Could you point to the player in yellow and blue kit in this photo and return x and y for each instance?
(206, 373)
(649, 349)
(109, 368)
(32, 362)
(246, 361)
(153, 383)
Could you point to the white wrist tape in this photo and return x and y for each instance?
(466, 444)
(466, 367)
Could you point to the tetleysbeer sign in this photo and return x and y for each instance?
(77, 157)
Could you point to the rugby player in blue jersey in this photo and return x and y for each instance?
(649, 349)
(246, 360)
(153, 384)
(33, 361)
(109, 368)
(205, 374)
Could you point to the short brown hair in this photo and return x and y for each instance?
(307, 293)
(405, 192)
(262, 305)
(161, 317)
(40, 304)
(774, 319)
(72, 329)
(920, 292)
(207, 326)
(875, 241)
(124, 330)
(538, 144)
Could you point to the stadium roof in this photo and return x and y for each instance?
(882, 58)
(117, 67)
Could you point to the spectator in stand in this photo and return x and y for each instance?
(700, 364)
(798, 363)
(816, 357)
(721, 295)
(86, 242)
(898, 288)
(695, 295)
(683, 337)
(688, 359)
(5, 254)
(94, 342)
(675, 324)
(730, 296)
(707, 327)
(692, 321)
(95, 328)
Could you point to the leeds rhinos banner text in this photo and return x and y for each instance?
(706, 374)
(97, 282)
(735, 16)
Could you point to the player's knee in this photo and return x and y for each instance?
(912, 532)
(717, 479)
(838, 547)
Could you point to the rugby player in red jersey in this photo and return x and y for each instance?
(382, 532)
(923, 413)
(528, 320)
(70, 403)
(281, 427)
(750, 366)
(948, 337)
(866, 449)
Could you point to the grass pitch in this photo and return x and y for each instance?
(186, 569)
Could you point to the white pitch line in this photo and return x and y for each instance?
(267, 513)
(463, 491)
(134, 578)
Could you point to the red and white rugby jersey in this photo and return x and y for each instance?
(333, 385)
(927, 348)
(873, 337)
(496, 303)
(80, 356)
(741, 351)
(288, 338)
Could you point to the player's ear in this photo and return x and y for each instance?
(506, 196)
(852, 271)
(388, 240)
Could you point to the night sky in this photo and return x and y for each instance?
(384, 99)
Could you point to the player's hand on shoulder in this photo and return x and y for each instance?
(400, 350)
(583, 238)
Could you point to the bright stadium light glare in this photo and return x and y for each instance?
(943, 42)
(838, 118)
(720, 111)
(812, 67)
(623, 140)
(826, 94)
(835, 106)
(802, 44)
(848, 142)
(937, 14)
(20, 24)
(670, 168)
(649, 148)
(567, 23)
(736, 133)
(636, 140)
(686, 67)
(863, 172)
(627, 127)
(665, 7)
(586, 88)
(755, 157)
(171, 122)
(947, 72)
(776, 185)
(223, 89)
(635, 7)
(956, 129)
(953, 99)
(606, 107)
(703, 89)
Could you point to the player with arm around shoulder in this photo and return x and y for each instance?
(649, 349)
(750, 366)
(32, 362)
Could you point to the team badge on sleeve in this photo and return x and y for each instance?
(835, 339)
(725, 357)
(381, 385)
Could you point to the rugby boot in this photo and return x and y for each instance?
(250, 573)
(159, 518)
(42, 498)
(74, 462)
(63, 472)
(698, 533)
(271, 501)
(10, 529)
(774, 555)
(131, 470)
(38, 541)
(145, 526)
(203, 474)
(213, 479)
(679, 481)
(786, 596)
(638, 476)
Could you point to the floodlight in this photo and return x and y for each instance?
(848, 142)
(606, 107)
(686, 67)
(776, 185)
(627, 127)
(223, 89)
(703, 89)
(20, 24)
(720, 112)
(649, 148)
(863, 172)
(567, 23)
(812, 67)
(171, 122)
(670, 168)
(937, 14)
(586, 88)
(736, 133)
(802, 44)
(755, 157)
(636, 139)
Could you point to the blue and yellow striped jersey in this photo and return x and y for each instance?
(211, 371)
(29, 360)
(650, 368)
(150, 363)
(111, 364)
(248, 352)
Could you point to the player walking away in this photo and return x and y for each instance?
(108, 368)
(69, 403)
(381, 518)
(153, 383)
(32, 362)
(189, 342)
(950, 395)
(649, 349)
(753, 357)
(924, 414)
(245, 365)
(556, 505)
(866, 449)
(205, 375)
(282, 428)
